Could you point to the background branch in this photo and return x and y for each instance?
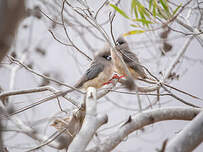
(143, 119)
(188, 138)
(91, 123)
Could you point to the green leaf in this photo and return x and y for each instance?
(175, 11)
(133, 6)
(135, 11)
(143, 21)
(154, 8)
(146, 13)
(159, 15)
(165, 6)
(133, 25)
(141, 15)
(162, 13)
(133, 32)
(120, 11)
(150, 4)
(141, 12)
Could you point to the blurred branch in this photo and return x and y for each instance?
(111, 22)
(1, 127)
(198, 34)
(178, 98)
(55, 95)
(141, 120)
(29, 131)
(50, 18)
(188, 138)
(26, 91)
(9, 22)
(49, 141)
(177, 58)
(16, 61)
(66, 44)
(91, 123)
(105, 3)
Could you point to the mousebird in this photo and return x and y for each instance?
(130, 58)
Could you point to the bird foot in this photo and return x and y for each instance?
(107, 82)
(115, 76)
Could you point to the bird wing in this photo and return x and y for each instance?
(132, 61)
(91, 73)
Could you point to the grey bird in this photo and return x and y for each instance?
(99, 72)
(130, 58)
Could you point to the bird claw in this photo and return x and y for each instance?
(115, 76)
(107, 82)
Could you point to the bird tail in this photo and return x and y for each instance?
(128, 83)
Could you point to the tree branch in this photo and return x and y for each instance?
(189, 138)
(91, 123)
(141, 120)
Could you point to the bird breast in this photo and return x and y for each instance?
(102, 78)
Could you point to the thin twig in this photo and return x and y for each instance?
(179, 99)
(25, 91)
(50, 18)
(66, 44)
(55, 95)
(100, 8)
(48, 141)
(66, 32)
(41, 75)
(182, 91)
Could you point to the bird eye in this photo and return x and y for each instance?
(119, 42)
(108, 57)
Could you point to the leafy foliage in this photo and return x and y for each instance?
(157, 10)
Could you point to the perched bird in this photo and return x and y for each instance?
(99, 72)
(131, 60)
(71, 124)
(72, 128)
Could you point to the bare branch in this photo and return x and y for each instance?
(41, 75)
(143, 119)
(178, 98)
(106, 1)
(66, 32)
(55, 95)
(189, 138)
(177, 58)
(66, 44)
(91, 123)
(26, 91)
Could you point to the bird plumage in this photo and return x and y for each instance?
(130, 59)
(99, 72)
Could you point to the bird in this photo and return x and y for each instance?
(130, 59)
(99, 72)
(72, 128)
(69, 126)
(72, 122)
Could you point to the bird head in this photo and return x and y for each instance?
(104, 54)
(121, 40)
